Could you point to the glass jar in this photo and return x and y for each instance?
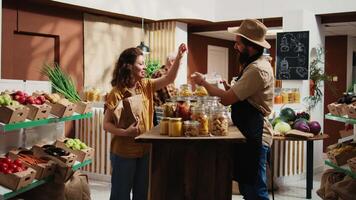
(284, 95)
(191, 128)
(291, 96)
(164, 125)
(185, 90)
(175, 127)
(219, 121)
(296, 95)
(199, 114)
(169, 109)
(183, 108)
(200, 91)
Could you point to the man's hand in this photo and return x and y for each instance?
(197, 78)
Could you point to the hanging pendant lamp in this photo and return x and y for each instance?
(145, 49)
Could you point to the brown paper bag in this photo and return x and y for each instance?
(118, 111)
(134, 110)
(77, 187)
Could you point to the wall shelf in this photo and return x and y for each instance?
(340, 119)
(345, 168)
(6, 193)
(28, 123)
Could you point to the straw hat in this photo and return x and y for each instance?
(253, 30)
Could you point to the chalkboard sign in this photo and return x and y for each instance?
(292, 55)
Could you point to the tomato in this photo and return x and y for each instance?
(6, 160)
(18, 162)
(8, 171)
(3, 165)
(18, 169)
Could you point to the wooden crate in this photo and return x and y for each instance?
(82, 155)
(83, 107)
(351, 111)
(43, 170)
(332, 109)
(38, 112)
(61, 110)
(340, 159)
(67, 161)
(341, 109)
(13, 114)
(17, 180)
(352, 164)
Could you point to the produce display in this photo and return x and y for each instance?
(24, 99)
(8, 166)
(29, 158)
(55, 151)
(61, 82)
(53, 98)
(75, 144)
(288, 119)
(6, 100)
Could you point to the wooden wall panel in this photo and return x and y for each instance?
(198, 50)
(161, 40)
(335, 65)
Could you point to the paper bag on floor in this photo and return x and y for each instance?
(77, 187)
(345, 189)
(329, 178)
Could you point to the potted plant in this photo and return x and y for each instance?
(316, 78)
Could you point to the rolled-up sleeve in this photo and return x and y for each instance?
(250, 82)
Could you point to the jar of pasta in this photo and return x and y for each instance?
(185, 90)
(219, 121)
(191, 128)
(199, 114)
(164, 125)
(175, 127)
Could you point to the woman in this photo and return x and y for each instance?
(130, 160)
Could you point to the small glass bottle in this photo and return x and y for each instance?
(198, 114)
(284, 95)
(164, 125)
(175, 127)
(219, 121)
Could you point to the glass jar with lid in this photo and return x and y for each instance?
(169, 109)
(183, 108)
(191, 128)
(219, 121)
(200, 91)
(175, 127)
(185, 90)
(164, 125)
(199, 114)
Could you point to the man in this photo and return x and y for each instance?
(251, 98)
(162, 95)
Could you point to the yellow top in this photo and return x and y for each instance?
(126, 146)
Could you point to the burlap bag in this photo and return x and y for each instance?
(77, 187)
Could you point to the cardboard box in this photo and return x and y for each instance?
(17, 180)
(13, 114)
(341, 159)
(83, 107)
(351, 111)
(43, 170)
(82, 155)
(332, 109)
(61, 110)
(352, 164)
(38, 112)
(341, 109)
(65, 161)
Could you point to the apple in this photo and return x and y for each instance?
(22, 100)
(38, 102)
(19, 93)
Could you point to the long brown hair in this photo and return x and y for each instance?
(123, 72)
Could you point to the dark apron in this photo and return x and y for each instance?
(250, 122)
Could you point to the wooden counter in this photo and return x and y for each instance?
(192, 168)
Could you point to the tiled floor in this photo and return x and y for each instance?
(291, 190)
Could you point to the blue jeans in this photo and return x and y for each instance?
(129, 174)
(259, 190)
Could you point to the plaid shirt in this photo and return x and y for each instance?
(162, 95)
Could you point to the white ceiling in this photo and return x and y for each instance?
(344, 28)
